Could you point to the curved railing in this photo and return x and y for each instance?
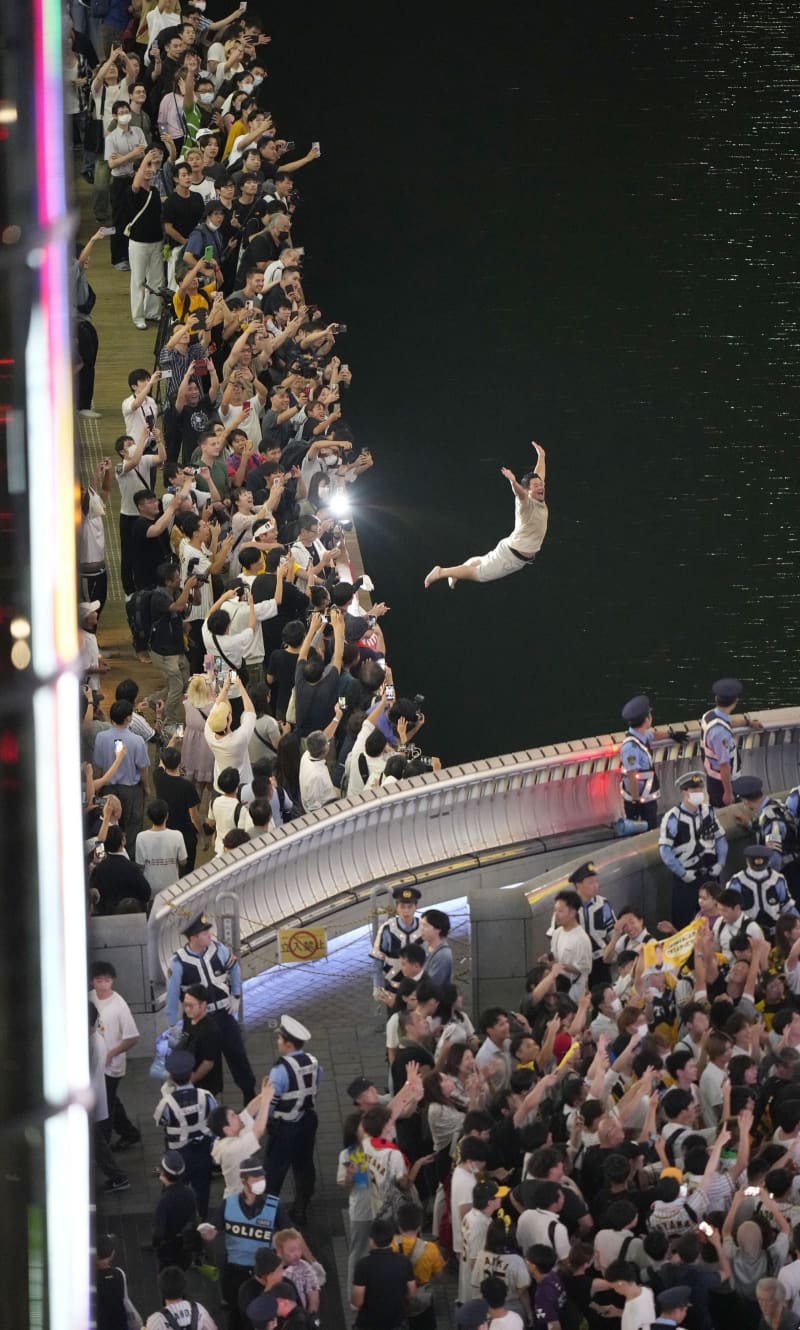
(433, 824)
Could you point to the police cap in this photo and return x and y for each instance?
(727, 690)
(405, 895)
(680, 1295)
(173, 1164)
(637, 710)
(691, 780)
(180, 1062)
(197, 925)
(581, 874)
(757, 854)
(358, 1086)
(293, 1030)
(748, 787)
(252, 1167)
(262, 1310)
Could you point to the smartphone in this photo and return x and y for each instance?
(248, 305)
(751, 1191)
(99, 850)
(706, 1229)
(180, 730)
(316, 148)
(343, 703)
(390, 692)
(108, 230)
(246, 408)
(208, 253)
(218, 663)
(234, 676)
(118, 745)
(684, 1191)
(166, 373)
(200, 366)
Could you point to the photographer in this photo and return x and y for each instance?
(201, 556)
(168, 604)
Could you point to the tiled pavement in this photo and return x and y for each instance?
(332, 997)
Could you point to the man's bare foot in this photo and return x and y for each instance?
(451, 582)
(433, 576)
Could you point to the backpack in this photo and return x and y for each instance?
(142, 616)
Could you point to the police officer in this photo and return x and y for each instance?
(183, 1112)
(597, 918)
(639, 786)
(765, 893)
(770, 820)
(673, 1304)
(292, 1126)
(720, 752)
(692, 844)
(205, 961)
(396, 933)
(248, 1220)
(175, 1215)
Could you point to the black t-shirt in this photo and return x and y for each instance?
(146, 228)
(147, 553)
(202, 1041)
(183, 214)
(281, 666)
(314, 703)
(294, 605)
(190, 423)
(384, 1275)
(117, 879)
(166, 625)
(179, 794)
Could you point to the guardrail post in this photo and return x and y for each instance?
(226, 918)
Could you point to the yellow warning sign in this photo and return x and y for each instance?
(301, 944)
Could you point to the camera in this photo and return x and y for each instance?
(340, 328)
(290, 145)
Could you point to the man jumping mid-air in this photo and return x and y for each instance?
(519, 549)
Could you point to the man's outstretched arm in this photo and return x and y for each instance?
(518, 489)
(541, 465)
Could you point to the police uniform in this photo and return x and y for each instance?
(183, 1111)
(680, 1295)
(292, 1124)
(764, 892)
(636, 760)
(246, 1227)
(773, 827)
(597, 919)
(217, 970)
(717, 738)
(692, 844)
(392, 937)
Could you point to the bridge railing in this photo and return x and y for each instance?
(298, 874)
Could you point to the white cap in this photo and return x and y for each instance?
(87, 607)
(289, 1026)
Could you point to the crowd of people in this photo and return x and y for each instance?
(624, 1146)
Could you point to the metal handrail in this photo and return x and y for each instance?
(328, 857)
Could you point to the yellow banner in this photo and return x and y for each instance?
(672, 951)
(301, 944)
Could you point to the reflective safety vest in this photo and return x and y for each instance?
(183, 1112)
(303, 1071)
(210, 971)
(765, 896)
(243, 1234)
(597, 918)
(695, 837)
(708, 723)
(391, 939)
(647, 780)
(774, 811)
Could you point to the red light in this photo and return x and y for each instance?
(9, 748)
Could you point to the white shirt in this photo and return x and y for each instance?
(375, 765)
(711, 1094)
(136, 418)
(130, 482)
(232, 749)
(114, 1023)
(235, 646)
(98, 1050)
(229, 1151)
(249, 421)
(462, 1186)
(384, 1166)
(201, 563)
(534, 1226)
(205, 188)
(316, 786)
(530, 525)
(90, 658)
(223, 811)
(573, 947)
(161, 855)
(182, 1312)
(639, 1311)
(92, 535)
(725, 933)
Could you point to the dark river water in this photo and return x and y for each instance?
(576, 223)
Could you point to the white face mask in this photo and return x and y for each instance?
(615, 1005)
(206, 98)
(258, 78)
(695, 798)
(258, 1188)
(123, 120)
(247, 87)
(212, 226)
